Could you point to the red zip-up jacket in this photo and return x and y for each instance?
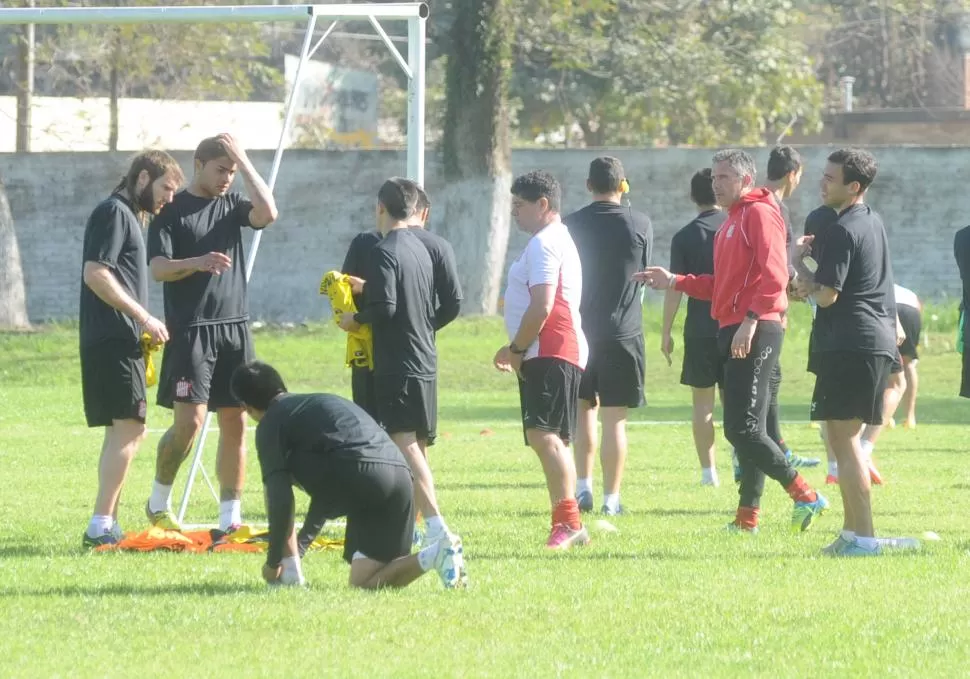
(750, 264)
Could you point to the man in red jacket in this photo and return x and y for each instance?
(747, 293)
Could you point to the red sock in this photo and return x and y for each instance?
(747, 517)
(800, 491)
(567, 512)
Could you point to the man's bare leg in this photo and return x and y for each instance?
(174, 446)
(370, 574)
(702, 422)
(121, 442)
(559, 469)
(613, 455)
(425, 499)
(912, 387)
(853, 475)
(584, 452)
(231, 465)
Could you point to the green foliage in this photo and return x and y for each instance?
(638, 72)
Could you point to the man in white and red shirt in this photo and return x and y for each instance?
(747, 294)
(547, 348)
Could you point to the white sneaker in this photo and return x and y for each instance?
(430, 537)
(450, 563)
(899, 544)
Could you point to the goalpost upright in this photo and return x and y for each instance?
(415, 13)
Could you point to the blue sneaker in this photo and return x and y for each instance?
(804, 513)
(606, 511)
(106, 539)
(584, 499)
(854, 549)
(799, 462)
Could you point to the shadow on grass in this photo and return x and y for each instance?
(197, 589)
(23, 550)
(500, 485)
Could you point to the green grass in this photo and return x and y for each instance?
(669, 594)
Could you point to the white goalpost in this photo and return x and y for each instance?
(416, 15)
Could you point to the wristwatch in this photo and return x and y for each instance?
(752, 315)
(515, 350)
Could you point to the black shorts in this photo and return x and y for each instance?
(850, 386)
(703, 364)
(198, 362)
(362, 388)
(614, 373)
(548, 395)
(113, 382)
(407, 404)
(965, 381)
(912, 321)
(380, 523)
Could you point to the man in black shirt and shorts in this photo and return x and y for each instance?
(692, 252)
(336, 453)
(854, 339)
(355, 266)
(399, 305)
(195, 247)
(113, 316)
(961, 252)
(613, 242)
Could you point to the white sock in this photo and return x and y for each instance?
(612, 501)
(584, 485)
(848, 535)
(292, 573)
(870, 544)
(834, 469)
(230, 513)
(709, 476)
(100, 525)
(161, 498)
(428, 555)
(435, 525)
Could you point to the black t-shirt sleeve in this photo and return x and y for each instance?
(352, 261)
(277, 484)
(160, 235)
(241, 208)
(678, 255)
(647, 243)
(836, 257)
(448, 287)
(106, 236)
(961, 252)
(380, 293)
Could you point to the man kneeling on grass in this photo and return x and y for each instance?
(336, 452)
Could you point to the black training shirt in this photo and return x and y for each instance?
(399, 305)
(961, 250)
(613, 242)
(853, 258)
(447, 289)
(303, 439)
(692, 252)
(192, 226)
(358, 255)
(818, 219)
(113, 238)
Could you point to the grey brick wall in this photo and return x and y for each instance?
(325, 198)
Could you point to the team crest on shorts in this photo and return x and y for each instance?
(183, 388)
(142, 409)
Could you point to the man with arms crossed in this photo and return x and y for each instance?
(399, 305)
(113, 316)
(854, 343)
(613, 243)
(547, 349)
(692, 252)
(195, 247)
(747, 293)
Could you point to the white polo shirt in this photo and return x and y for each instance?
(549, 258)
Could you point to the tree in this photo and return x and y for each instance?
(476, 149)
(640, 72)
(13, 304)
(182, 61)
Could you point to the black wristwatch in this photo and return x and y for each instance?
(752, 315)
(515, 350)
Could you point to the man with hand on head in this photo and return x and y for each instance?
(195, 247)
(113, 316)
(747, 293)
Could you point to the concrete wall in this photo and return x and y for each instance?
(327, 197)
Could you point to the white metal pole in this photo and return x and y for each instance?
(416, 61)
(251, 259)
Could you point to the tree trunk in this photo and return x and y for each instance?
(113, 111)
(25, 85)
(13, 300)
(477, 155)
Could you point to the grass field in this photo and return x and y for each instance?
(670, 594)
